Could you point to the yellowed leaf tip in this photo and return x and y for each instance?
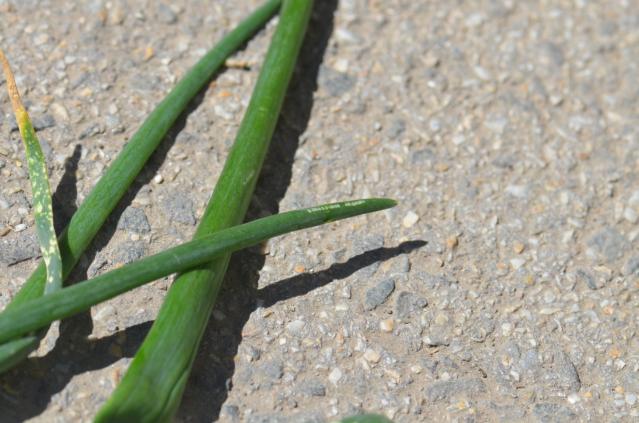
(18, 108)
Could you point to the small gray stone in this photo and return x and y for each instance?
(504, 162)
(111, 121)
(272, 370)
(43, 122)
(377, 295)
(408, 303)
(444, 390)
(482, 328)
(564, 374)
(13, 125)
(99, 263)
(91, 130)
(178, 207)
(411, 339)
(608, 243)
(334, 82)
(396, 129)
(422, 156)
(530, 361)
(400, 266)
(585, 276)
(434, 281)
(144, 83)
(17, 248)
(631, 267)
(166, 15)
(134, 219)
(437, 338)
(549, 412)
(230, 412)
(311, 388)
(296, 328)
(509, 413)
(252, 353)
(308, 417)
(550, 54)
(267, 418)
(129, 251)
(4, 204)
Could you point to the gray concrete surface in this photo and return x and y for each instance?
(502, 288)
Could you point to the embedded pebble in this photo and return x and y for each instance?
(608, 244)
(335, 375)
(129, 251)
(372, 356)
(15, 249)
(135, 220)
(378, 295)
(296, 327)
(445, 390)
(387, 325)
(408, 303)
(551, 412)
(178, 207)
(311, 387)
(410, 219)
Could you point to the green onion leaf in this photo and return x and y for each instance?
(152, 388)
(36, 163)
(41, 311)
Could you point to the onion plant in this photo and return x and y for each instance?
(112, 186)
(152, 388)
(40, 312)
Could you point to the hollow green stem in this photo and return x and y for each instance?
(152, 388)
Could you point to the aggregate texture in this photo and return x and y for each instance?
(504, 287)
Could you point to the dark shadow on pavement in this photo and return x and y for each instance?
(66, 193)
(307, 282)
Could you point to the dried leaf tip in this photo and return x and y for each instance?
(16, 102)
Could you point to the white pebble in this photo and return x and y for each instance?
(341, 307)
(630, 215)
(105, 312)
(482, 73)
(633, 201)
(335, 375)
(158, 179)
(573, 398)
(372, 356)
(341, 65)
(20, 227)
(517, 263)
(506, 329)
(631, 399)
(295, 327)
(519, 191)
(410, 219)
(386, 325)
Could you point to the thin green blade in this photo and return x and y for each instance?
(36, 163)
(41, 311)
